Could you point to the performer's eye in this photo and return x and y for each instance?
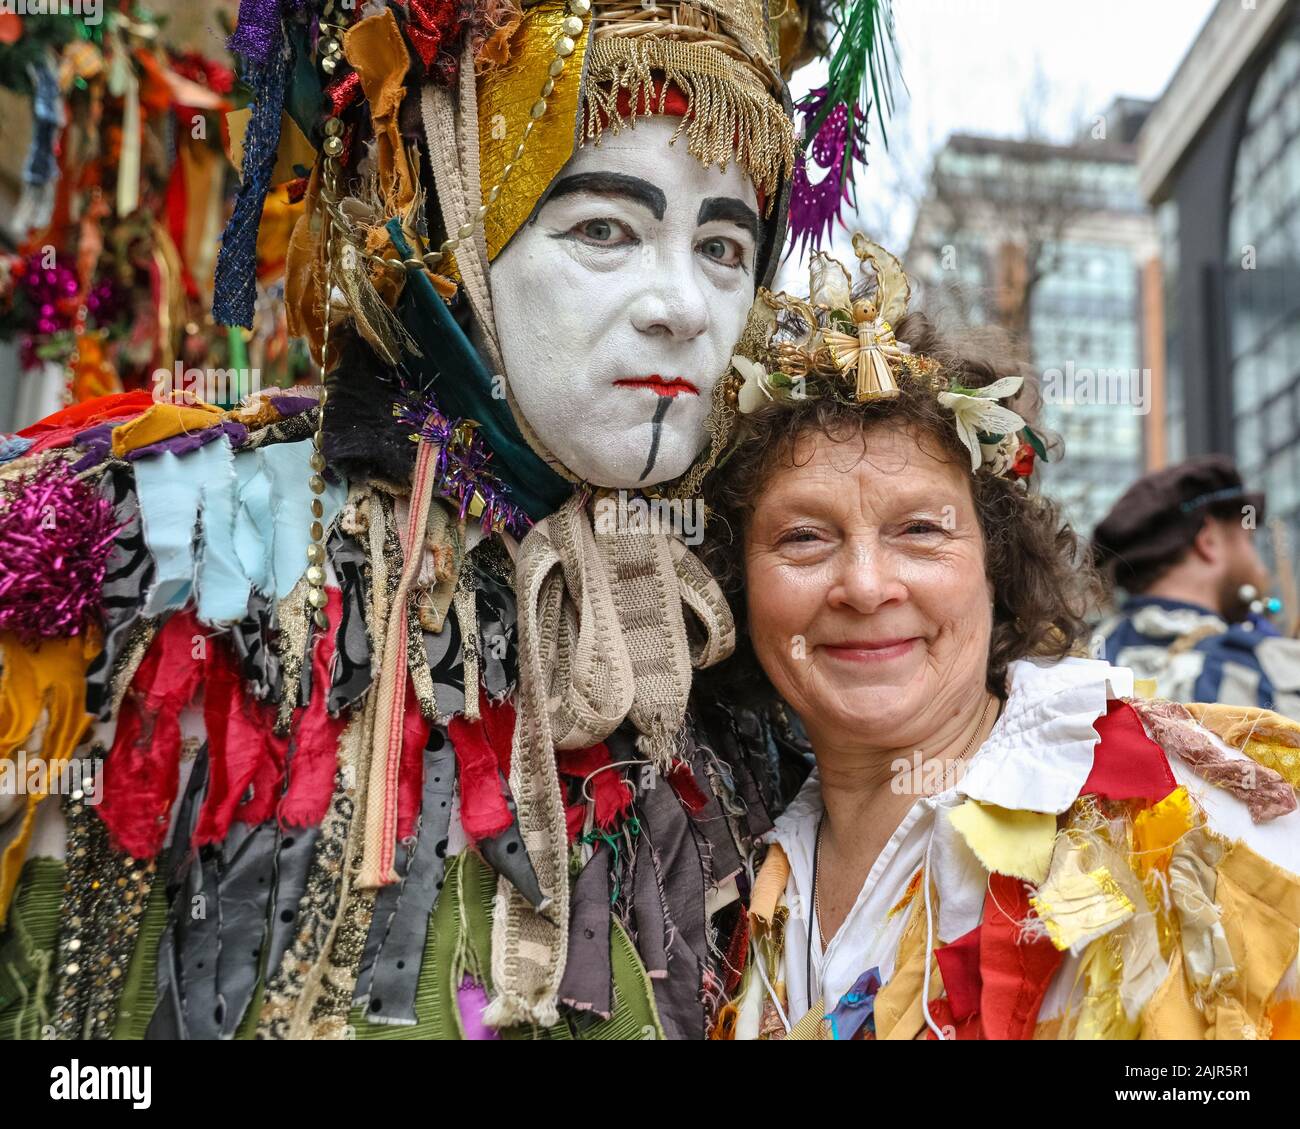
(725, 252)
(603, 232)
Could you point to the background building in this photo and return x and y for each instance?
(1055, 244)
(1219, 157)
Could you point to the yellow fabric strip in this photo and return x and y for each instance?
(1016, 843)
(162, 421)
(1260, 910)
(1284, 1016)
(898, 1004)
(50, 677)
(1157, 830)
(1261, 916)
(1171, 1014)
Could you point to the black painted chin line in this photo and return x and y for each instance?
(661, 410)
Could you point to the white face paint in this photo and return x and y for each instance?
(620, 302)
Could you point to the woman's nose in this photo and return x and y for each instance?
(864, 580)
(671, 302)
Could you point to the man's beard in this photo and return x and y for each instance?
(1235, 609)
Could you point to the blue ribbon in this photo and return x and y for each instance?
(234, 291)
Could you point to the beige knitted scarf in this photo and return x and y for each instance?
(602, 637)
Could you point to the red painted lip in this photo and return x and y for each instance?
(878, 650)
(659, 385)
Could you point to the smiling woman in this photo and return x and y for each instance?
(620, 301)
(990, 816)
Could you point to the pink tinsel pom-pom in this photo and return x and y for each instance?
(55, 536)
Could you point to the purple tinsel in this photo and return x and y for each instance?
(257, 33)
(55, 536)
(462, 463)
(816, 208)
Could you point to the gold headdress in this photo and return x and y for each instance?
(835, 344)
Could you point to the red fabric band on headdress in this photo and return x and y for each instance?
(674, 106)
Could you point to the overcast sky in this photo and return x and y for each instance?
(970, 66)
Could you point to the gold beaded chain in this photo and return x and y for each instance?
(330, 53)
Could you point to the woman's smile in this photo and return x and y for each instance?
(879, 651)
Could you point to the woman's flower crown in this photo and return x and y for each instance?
(845, 347)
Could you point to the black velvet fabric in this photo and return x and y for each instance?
(362, 439)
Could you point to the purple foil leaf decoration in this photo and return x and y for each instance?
(816, 208)
(55, 536)
(462, 466)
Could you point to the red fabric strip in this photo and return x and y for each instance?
(243, 752)
(963, 1030)
(316, 734)
(59, 429)
(1015, 971)
(959, 963)
(737, 955)
(1127, 764)
(483, 809)
(142, 771)
(688, 788)
(410, 775)
(609, 791)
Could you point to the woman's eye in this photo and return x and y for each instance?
(922, 527)
(726, 252)
(603, 233)
(800, 536)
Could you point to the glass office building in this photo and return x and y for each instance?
(1219, 158)
(996, 208)
(1262, 282)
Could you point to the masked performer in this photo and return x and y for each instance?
(1002, 840)
(371, 709)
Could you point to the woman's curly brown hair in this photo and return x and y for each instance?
(1042, 583)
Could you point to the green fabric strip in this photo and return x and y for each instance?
(462, 385)
(140, 992)
(27, 948)
(460, 941)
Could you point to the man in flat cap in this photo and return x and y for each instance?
(1181, 543)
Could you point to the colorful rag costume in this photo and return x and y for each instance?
(1107, 867)
(382, 738)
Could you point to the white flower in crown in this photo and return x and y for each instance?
(1000, 457)
(977, 410)
(760, 385)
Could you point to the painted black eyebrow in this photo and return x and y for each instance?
(729, 208)
(613, 184)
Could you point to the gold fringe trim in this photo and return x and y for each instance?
(730, 115)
